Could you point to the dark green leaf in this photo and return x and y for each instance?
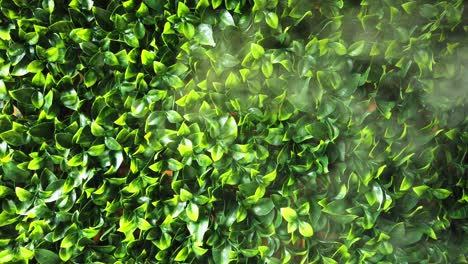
(22, 95)
(102, 17)
(14, 138)
(263, 207)
(45, 130)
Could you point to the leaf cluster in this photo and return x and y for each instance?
(236, 131)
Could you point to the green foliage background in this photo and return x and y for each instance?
(244, 131)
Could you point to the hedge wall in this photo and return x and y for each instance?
(236, 131)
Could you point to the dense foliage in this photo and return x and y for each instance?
(244, 131)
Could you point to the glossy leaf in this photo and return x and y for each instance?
(206, 35)
(263, 207)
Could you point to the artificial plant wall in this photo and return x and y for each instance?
(242, 131)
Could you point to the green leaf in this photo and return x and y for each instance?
(451, 134)
(97, 130)
(409, 7)
(221, 254)
(89, 48)
(14, 173)
(131, 40)
(175, 81)
(185, 148)
(112, 144)
(192, 211)
(182, 10)
(6, 255)
(14, 138)
(205, 36)
(406, 184)
(142, 11)
(175, 165)
(270, 177)
(300, 94)
(325, 109)
(289, 214)
(35, 164)
(356, 48)
(22, 194)
(440, 193)
(65, 254)
(228, 130)
(182, 254)
(272, 20)
(459, 213)
(226, 18)
(305, 229)
(35, 66)
(19, 70)
(155, 4)
(427, 10)
(385, 108)
(147, 57)
(174, 117)
(343, 219)
(5, 70)
(263, 207)
(102, 17)
(22, 95)
(275, 136)
(199, 251)
(90, 78)
(256, 50)
(44, 256)
(216, 3)
(110, 59)
(187, 29)
(139, 30)
(159, 67)
(64, 139)
(62, 26)
(259, 5)
(203, 160)
(45, 130)
(228, 61)
(53, 54)
(37, 99)
(96, 150)
(375, 196)
(339, 48)
(393, 50)
(143, 224)
(4, 191)
(232, 81)
(419, 190)
(267, 69)
(81, 34)
(76, 160)
(49, 5)
(327, 260)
